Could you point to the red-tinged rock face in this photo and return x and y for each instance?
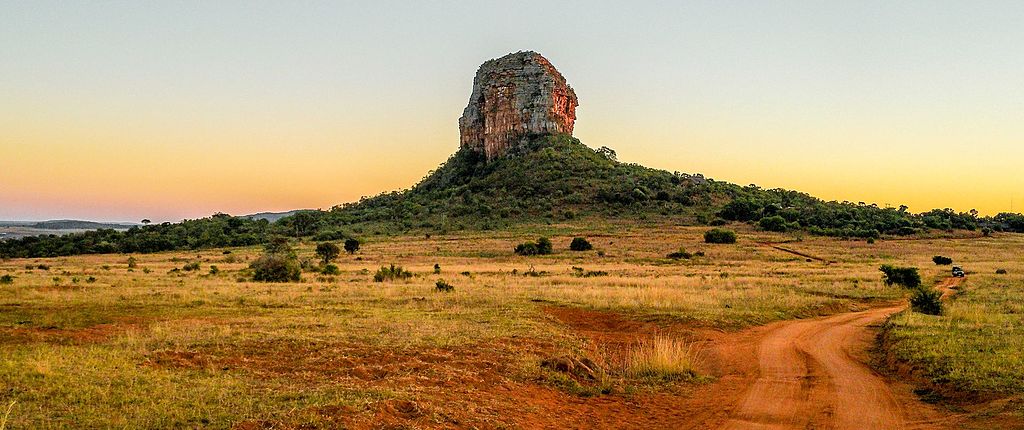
(515, 97)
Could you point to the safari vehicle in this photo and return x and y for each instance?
(958, 272)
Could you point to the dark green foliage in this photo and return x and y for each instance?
(214, 270)
(773, 223)
(947, 219)
(1000, 271)
(276, 267)
(437, 268)
(90, 280)
(327, 252)
(330, 269)
(391, 273)
(443, 286)
(720, 235)
(541, 247)
(580, 272)
(906, 277)
(926, 301)
(351, 245)
(942, 261)
(580, 244)
(6, 279)
(191, 267)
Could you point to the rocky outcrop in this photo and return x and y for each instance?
(514, 98)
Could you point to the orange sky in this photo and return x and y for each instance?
(124, 112)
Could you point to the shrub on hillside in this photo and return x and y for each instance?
(927, 302)
(6, 279)
(720, 235)
(773, 223)
(276, 267)
(906, 277)
(1000, 271)
(191, 267)
(330, 269)
(942, 261)
(580, 244)
(681, 254)
(391, 273)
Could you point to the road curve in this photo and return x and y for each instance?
(809, 378)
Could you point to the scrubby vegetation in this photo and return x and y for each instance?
(327, 252)
(443, 286)
(926, 301)
(662, 357)
(6, 280)
(942, 261)
(719, 235)
(391, 273)
(541, 247)
(580, 244)
(906, 277)
(278, 263)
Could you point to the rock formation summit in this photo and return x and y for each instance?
(514, 98)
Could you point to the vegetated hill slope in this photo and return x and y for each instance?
(557, 178)
(553, 178)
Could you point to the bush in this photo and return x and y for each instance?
(773, 223)
(580, 244)
(327, 251)
(906, 277)
(351, 245)
(276, 267)
(927, 302)
(330, 269)
(214, 270)
(6, 279)
(191, 267)
(942, 261)
(541, 247)
(720, 235)
(132, 262)
(437, 268)
(1000, 271)
(443, 286)
(681, 254)
(391, 273)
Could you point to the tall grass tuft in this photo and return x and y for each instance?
(662, 357)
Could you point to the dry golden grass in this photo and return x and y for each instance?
(149, 347)
(663, 357)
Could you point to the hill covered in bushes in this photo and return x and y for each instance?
(553, 178)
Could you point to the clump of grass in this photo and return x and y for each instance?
(662, 357)
(6, 280)
(191, 267)
(391, 273)
(681, 254)
(1000, 271)
(330, 269)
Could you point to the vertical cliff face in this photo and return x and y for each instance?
(515, 97)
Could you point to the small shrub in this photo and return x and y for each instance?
(942, 261)
(662, 357)
(871, 241)
(327, 252)
(391, 273)
(437, 268)
(90, 280)
(191, 267)
(6, 279)
(214, 270)
(580, 244)
(330, 269)
(132, 262)
(906, 277)
(146, 270)
(43, 267)
(351, 245)
(773, 223)
(443, 286)
(720, 235)
(276, 267)
(681, 254)
(926, 302)
(986, 232)
(1000, 271)
(541, 247)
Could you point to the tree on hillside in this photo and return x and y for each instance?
(351, 245)
(327, 252)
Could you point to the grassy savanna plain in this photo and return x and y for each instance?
(89, 342)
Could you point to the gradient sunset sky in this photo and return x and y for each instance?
(172, 110)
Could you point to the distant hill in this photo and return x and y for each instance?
(19, 229)
(272, 216)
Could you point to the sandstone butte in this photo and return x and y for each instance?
(516, 97)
